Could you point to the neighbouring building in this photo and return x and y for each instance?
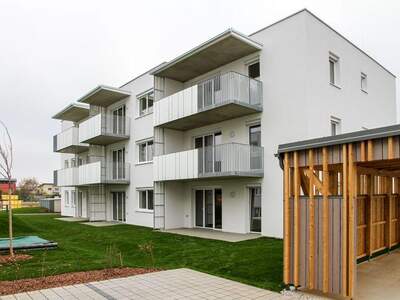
(192, 142)
(47, 189)
(4, 185)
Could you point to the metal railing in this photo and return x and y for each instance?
(228, 87)
(230, 158)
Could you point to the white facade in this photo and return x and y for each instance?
(312, 81)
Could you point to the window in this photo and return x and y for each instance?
(334, 69)
(73, 198)
(146, 151)
(146, 103)
(254, 70)
(66, 164)
(73, 162)
(255, 135)
(335, 126)
(66, 198)
(119, 120)
(146, 199)
(364, 82)
(118, 164)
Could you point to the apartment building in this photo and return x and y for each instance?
(191, 143)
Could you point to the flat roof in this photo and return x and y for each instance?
(103, 95)
(217, 51)
(73, 112)
(339, 139)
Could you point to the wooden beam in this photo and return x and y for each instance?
(296, 217)
(363, 152)
(344, 219)
(390, 149)
(368, 232)
(305, 183)
(325, 221)
(377, 172)
(388, 231)
(352, 224)
(370, 155)
(286, 241)
(311, 227)
(316, 181)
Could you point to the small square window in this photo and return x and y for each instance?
(146, 200)
(254, 70)
(146, 103)
(335, 126)
(334, 75)
(364, 82)
(146, 151)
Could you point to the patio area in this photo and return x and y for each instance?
(214, 234)
(72, 219)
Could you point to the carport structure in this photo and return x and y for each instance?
(341, 206)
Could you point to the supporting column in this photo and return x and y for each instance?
(344, 220)
(352, 224)
(296, 217)
(311, 228)
(286, 217)
(325, 221)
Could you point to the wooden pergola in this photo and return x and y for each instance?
(341, 206)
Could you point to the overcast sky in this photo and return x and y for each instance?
(52, 52)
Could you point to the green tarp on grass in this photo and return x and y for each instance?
(26, 243)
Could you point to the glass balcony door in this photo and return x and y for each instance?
(118, 164)
(118, 206)
(255, 147)
(255, 209)
(118, 120)
(209, 154)
(208, 208)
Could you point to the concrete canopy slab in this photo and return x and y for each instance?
(218, 51)
(73, 112)
(104, 96)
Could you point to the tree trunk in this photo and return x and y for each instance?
(10, 225)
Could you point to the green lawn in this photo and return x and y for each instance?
(81, 247)
(30, 210)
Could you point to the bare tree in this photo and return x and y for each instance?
(6, 164)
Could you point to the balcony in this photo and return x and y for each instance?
(225, 160)
(104, 129)
(66, 177)
(68, 142)
(217, 99)
(104, 173)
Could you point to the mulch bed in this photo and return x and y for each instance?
(8, 259)
(26, 285)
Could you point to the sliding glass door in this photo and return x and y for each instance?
(209, 152)
(208, 208)
(118, 120)
(118, 167)
(255, 209)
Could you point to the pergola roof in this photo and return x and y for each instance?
(219, 50)
(339, 139)
(73, 112)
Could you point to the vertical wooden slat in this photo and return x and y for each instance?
(363, 154)
(296, 217)
(286, 240)
(325, 221)
(390, 148)
(344, 220)
(370, 155)
(368, 231)
(352, 224)
(311, 228)
(388, 210)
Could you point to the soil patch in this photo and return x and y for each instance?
(8, 259)
(26, 285)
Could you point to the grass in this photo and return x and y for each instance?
(30, 210)
(81, 247)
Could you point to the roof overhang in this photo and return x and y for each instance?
(218, 51)
(104, 96)
(73, 112)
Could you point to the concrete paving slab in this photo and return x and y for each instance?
(72, 219)
(101, 224)
(214, 234)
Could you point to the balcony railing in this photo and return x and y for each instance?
(66, 177)
(98, 173)
(213, 100)
(67, 141)
(216, 161)
(104, 129)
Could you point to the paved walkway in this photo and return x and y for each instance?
(171, 284)
(214, 234)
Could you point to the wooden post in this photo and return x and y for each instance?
(352, 224)
(286, 240)
(388, 210)
(311, 228)
(344, 219)
(368, 230)
(296, 217)
(325, 221)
